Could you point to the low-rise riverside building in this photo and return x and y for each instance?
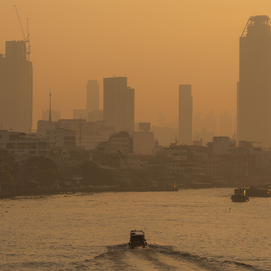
(88, 134)
(63, 138)
(121, 142)
(22, 145)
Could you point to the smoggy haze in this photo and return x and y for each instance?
(156, 44)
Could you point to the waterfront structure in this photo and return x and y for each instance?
(118, 143)
(118, 104)
(16, 84)
(23, 145)
(222, 145)
(254, 88)
(185, 114)
(60, 137)
(92, 95)
(88, 134)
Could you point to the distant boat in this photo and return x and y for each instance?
(239, 195)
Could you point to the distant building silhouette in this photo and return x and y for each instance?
(162, 122)
(92, 112)
(211, 122)
(254, 88)
(96, 115)
(92, 95)
(80, 114)
(225, 124)
(203, 136)
(198, 122)
(165, 135)
(16, 85)
(144, 141)
(118, 104)
(185, 114)
(56, 115)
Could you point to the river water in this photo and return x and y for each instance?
(185, 230)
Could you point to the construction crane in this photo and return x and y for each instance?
(27, 38)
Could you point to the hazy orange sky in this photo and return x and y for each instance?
(157, 44)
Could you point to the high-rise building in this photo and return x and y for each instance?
(118, 104)
(16, 88)
(254, 88)
(92, 95)
(185, 114)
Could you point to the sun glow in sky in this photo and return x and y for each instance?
(157, 44)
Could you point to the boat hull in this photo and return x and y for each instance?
(239, 198)
(136, 245)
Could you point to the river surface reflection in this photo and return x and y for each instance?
(185, 230)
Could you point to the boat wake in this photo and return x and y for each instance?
(161, 257)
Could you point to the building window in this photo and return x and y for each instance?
(21, 146)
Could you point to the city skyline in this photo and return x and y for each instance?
(156, 55)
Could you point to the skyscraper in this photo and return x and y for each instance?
(254, 88)
(16, 88)
(118, 104)
(185, 114)
(92, 95)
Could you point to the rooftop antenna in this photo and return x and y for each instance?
(50, 108)
(27, 38)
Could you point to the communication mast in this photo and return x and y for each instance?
(27, 38)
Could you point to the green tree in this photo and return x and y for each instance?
(7, 178)
(42, 162)
(93, 175)
(7, 163)
(47, 177)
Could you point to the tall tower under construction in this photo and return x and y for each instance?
(254, 87)
(16, 88)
